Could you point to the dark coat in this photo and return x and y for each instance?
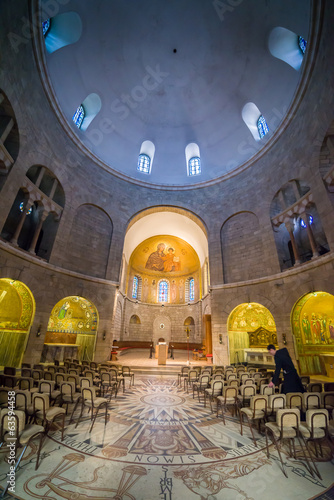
(292, 382)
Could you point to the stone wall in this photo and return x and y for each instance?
(293, 153)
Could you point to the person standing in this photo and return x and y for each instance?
(283, 361)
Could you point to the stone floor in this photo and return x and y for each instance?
(160, 443)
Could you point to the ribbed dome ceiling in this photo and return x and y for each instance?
(206, 64)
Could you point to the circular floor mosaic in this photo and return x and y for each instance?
(156, 422)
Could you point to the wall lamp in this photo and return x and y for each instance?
(104, 335)
(38, 333)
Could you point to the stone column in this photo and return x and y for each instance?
(310, 235)
(53, 189)
(40, 177)
(21, 221)
(42, 217)
(293, 242)
(7, 130)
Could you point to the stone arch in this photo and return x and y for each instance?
(90, 238)
(242, 248)
(17, 311)
(39, 202)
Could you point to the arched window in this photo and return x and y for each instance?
(190, 290)
(302, 44)
(61, 30)
(79, 116)
(255, 121)
(194, 167)
(193, 159)
(163, 291)
(145, 158)
(46, 26)
(135, 287)
(87, 111)
(144, 164)
(262, 126)
(287, 46)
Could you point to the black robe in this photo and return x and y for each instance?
(292, 382)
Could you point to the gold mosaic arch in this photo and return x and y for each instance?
(312, 321)
(250, 325)
(17, 311)
(74, 320)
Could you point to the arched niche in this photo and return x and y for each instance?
(90, 238)
(249, 325)
(189, 321)
(9, 138)
(65, 29)
(241, 248)
(135, 328)
(74, 321)
(135, 320)
(40, 200)
(312, 322)
(290, 206)
(283, 44)
(17, 311)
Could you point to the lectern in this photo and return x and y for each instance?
(162, 353)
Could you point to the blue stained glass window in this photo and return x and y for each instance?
(310, 220)
(46, 26)
(79, 116)
(163, 291)
(262, 126)
(135, 288)
(144, 163)
(194, 166)
(302, 44)
(191, 289)
(22, 208)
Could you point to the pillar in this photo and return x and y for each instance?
(42, 217)
(310, 235)
(293, 242)
(21, 221)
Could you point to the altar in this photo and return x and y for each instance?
(161, 352)
(259, 357)
(59, 352)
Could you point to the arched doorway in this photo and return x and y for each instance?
(17, 311)
(250, 325)
(74, 321)
(312, 320)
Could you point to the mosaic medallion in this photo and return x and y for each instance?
(157, 423)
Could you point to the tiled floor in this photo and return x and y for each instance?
(160, 443)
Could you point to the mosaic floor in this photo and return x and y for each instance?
(160, 443)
